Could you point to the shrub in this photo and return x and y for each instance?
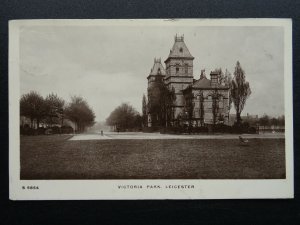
(26, 130)
(252, 130)
(41, 130)
(55, 130)
(67, 130)
(222, 128)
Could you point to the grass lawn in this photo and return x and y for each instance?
(54, 157)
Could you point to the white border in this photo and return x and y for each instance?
(108, 189)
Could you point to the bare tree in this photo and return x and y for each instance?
(240, 91)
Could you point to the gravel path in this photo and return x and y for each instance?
(141, 135)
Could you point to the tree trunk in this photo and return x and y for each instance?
(238, 118)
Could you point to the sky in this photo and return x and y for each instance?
(109, 65)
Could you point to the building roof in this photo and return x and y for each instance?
(158, 68)
(204, 83)
(179, 49)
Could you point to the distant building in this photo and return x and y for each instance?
(198, 102)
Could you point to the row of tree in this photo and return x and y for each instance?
(267, 121)
(52, 110)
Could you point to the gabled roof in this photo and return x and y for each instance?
(158, 68)
(202, 83)
(179, 49)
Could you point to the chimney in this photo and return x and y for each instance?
(179, 38)
(214, 79)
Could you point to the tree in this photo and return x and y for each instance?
(160, 102)
(281, 120)
(167, 97)
(215, 105)
(144, 111)
(189, 106)
(79, 112)
(264, 121)
(228, 82)
(201, 99)
(274, 122)
(124, 117)
(240, 91)
(55, 109)
(32, 105)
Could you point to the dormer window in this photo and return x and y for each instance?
(181, 50)
(158, 71)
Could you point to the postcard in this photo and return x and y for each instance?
(150, 109)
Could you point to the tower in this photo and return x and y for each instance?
(155, 78)
(179, 72)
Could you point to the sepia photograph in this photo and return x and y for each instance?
(182, 107)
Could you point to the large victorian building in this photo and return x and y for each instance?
(198, 102)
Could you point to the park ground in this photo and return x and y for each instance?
(152, 156)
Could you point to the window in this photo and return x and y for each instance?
(181, 50)
(177, 69)
(221, 104)
(186, 69)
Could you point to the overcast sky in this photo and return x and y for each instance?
(109, 65)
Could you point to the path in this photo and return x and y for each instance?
(141, 135)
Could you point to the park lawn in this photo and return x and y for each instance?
(54, 157)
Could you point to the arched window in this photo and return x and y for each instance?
(177, 69)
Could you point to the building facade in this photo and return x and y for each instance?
(197, 102)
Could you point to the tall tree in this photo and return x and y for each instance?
(189, 106)
(32, 105)
(167, 99)
(228, 82)
(240, 91)
(201, 99)
(215, 105)
(160, 102)
(79, 112)
(144, 111)
(55, 109)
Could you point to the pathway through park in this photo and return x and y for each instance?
(141, 135)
